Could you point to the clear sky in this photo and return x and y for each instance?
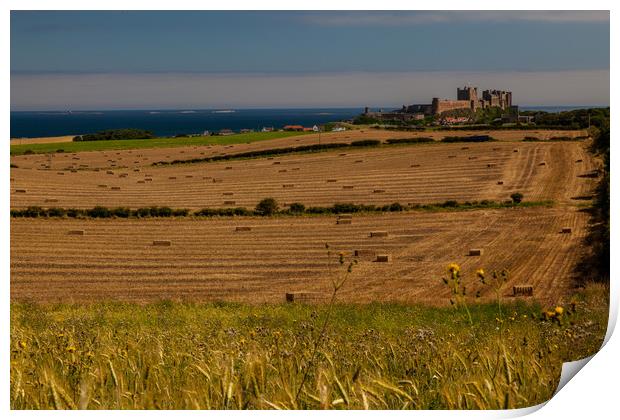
(122, 60)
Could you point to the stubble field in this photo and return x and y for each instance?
(208, 260)
(418, 174)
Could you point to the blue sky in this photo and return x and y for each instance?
(80, 59)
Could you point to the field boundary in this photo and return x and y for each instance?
(295, 210)
(316, 148)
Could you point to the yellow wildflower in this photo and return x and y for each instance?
(22, 344)
(454, 268)
(70, 349)
(559, 310)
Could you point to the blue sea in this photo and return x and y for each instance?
(168, 122)
(171, 122)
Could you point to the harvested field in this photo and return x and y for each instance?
(41, 140)
(146, 156)
(209, 259)
(384, 176)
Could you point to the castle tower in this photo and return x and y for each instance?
(468, 93)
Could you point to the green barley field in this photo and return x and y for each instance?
(88, 146)
(173, 355)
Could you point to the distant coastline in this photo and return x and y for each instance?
(38, 124)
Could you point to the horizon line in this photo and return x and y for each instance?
(65, 110)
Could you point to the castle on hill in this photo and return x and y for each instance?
(466, 98)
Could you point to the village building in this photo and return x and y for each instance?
(293, 128)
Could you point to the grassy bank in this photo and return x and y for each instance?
(88, 146)
(377, 356)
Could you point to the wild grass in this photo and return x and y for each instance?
(85, 146)
(231, 356)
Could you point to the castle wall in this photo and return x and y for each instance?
(467, 98)
(443, 105)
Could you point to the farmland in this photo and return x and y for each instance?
(190, 312)
(158, 149)
(209, 260)
(52, 144)
(420, 174)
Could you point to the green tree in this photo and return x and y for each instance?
(267, 207)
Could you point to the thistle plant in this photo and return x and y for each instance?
(455, 282)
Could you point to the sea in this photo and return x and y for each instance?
(186, 121)
(169, 122)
